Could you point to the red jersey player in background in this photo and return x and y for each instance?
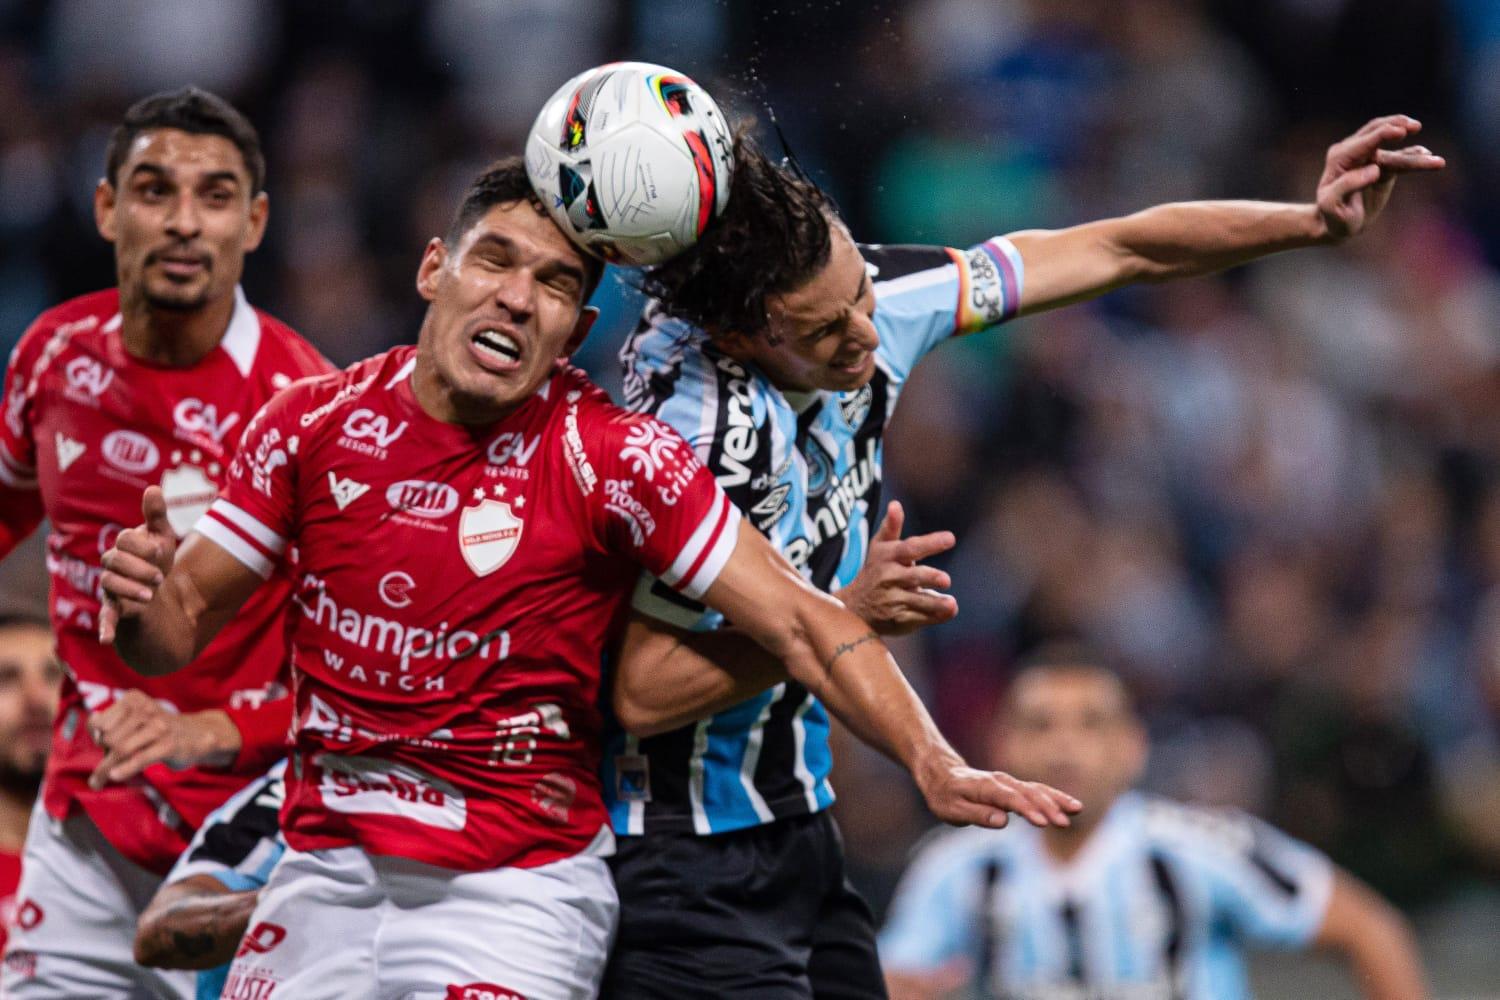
(150, 383)
(29, 679)
(470, 517)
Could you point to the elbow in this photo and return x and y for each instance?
(148, 948)
(637, 717)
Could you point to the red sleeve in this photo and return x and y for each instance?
(662, 505)
(254, 515)
(20, 500)
(263, 730)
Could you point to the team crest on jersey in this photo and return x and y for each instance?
(855, 406)
(488, 534)
(189, 492)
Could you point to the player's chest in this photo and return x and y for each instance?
(103, 435)
(502, 513)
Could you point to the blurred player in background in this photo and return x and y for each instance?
(148, 383)
(197, 917)
(29, 680)
(1141, 897)
(470, 516)
(778, 347)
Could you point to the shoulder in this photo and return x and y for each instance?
(322, 400)
(1197, 831)
(290, 348)
(82, 315)
(948, 853)
(667, 358)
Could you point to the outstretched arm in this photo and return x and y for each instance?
(666, 677)
(843, 661)
(1192, 238)
(1375, 939)
(193, 924)
(163, 605)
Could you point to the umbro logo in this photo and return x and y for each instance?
(345, 491)
(68, 451)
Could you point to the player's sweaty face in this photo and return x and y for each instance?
(507, 303)
(30, 679)
(822, 336)
(181, 215)
(1074, 731)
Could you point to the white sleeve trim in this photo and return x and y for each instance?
(246, 522)
(222, 535)
(14, 473)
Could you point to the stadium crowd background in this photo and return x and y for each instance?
(1272, 498)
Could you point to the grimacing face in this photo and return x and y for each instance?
(181, 216)
(506, 306)
(30, 679)
(1073, 729)
(822, 335)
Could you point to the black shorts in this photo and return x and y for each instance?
(765, 912)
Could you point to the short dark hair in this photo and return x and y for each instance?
(773, 238)
(1069, 656)
(502, 182)
(193, 110)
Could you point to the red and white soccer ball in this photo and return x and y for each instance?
(633, 161)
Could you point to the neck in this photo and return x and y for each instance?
(15, 813)
(436, 397)
(177, 338)
(1064, 843)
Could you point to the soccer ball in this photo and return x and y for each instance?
(632, 160)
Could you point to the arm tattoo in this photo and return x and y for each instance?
(849, 647)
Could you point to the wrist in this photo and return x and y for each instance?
(213, 740)
(932, 761)
(1315, 228)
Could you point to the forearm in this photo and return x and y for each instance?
(1184, 239)
(1375, 940)
(666, 681)
(197, 930)
(842, 661)
(163, 638)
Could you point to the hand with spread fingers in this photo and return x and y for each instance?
(137, 564)
(893, 592)
(1360, 172)
(963, 795)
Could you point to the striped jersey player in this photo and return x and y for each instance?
(1163, 903)
(806, 470)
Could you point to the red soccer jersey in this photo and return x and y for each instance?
(91, 427)
(10, 878)
(456, 587)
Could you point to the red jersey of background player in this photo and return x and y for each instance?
(85, 428)
(455, 590)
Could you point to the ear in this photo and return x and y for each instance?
(434, 257)
(260, 212)
(586, 317)
(737, 345)
(104, 209)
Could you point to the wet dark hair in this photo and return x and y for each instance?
(774, 237)
(502, 182)
(193, 110)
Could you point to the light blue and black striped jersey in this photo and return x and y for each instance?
(238, 845)
(1160, 904)
(806, 470)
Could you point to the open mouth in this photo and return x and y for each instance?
(496, 350)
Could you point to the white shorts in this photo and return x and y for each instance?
(341, 923)
(76, 910)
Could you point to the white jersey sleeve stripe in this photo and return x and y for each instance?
(695, 543)
(14, 474)
(221, 534)
(262, 535)
(716, 555)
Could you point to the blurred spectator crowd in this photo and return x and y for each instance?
(1272, 498)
